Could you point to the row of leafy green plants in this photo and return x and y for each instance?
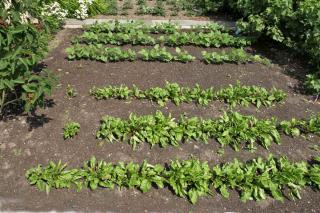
(190, 179)
(105, 54)
(137, 33)
(25, 29)
(231, 129)
(233, 94)
(159, 28)
(212, 39)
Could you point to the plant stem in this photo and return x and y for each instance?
(2, 100)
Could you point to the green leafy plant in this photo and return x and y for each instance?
(204, 39)
(157, 10)
(183, 56)
(100, 7)
(71, 92)
(71, 129)
(295, 127)
(161, 54)
(190, 179)
(234, 56)
(112, 7)
(210, 35)
(156, 54)
(232, 95)
(22, 44)
(100, 53)
(54, 175)
(159, 28)
(230, 129)
(312, 84)
(134, 38)
(165, 28)
(117, 27)
(260, 177)
(245, 95)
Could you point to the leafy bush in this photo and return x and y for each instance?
(98, 7)
(23, 44)
(312, 84)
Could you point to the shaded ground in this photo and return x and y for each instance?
(28, 141)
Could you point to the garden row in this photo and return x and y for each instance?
(137, 33)
(232, 95)
(190, 179)
(212, 39)
(158, 28)
(231, 129)
(104, 54)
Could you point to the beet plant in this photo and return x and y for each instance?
(190, 179)
(234, 56)
(233, 94)
(71, 129)
(230, 129)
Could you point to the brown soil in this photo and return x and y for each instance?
(30, 140)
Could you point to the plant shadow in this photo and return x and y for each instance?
(291, 62)
(33, 120)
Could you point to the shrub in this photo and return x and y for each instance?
(23, 43)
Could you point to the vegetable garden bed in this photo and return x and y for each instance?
(102, 83)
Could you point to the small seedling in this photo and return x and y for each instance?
(17, 152)
(71, 129)
(71, 92)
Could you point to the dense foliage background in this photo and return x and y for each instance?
(24, 35)
(294, 23)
